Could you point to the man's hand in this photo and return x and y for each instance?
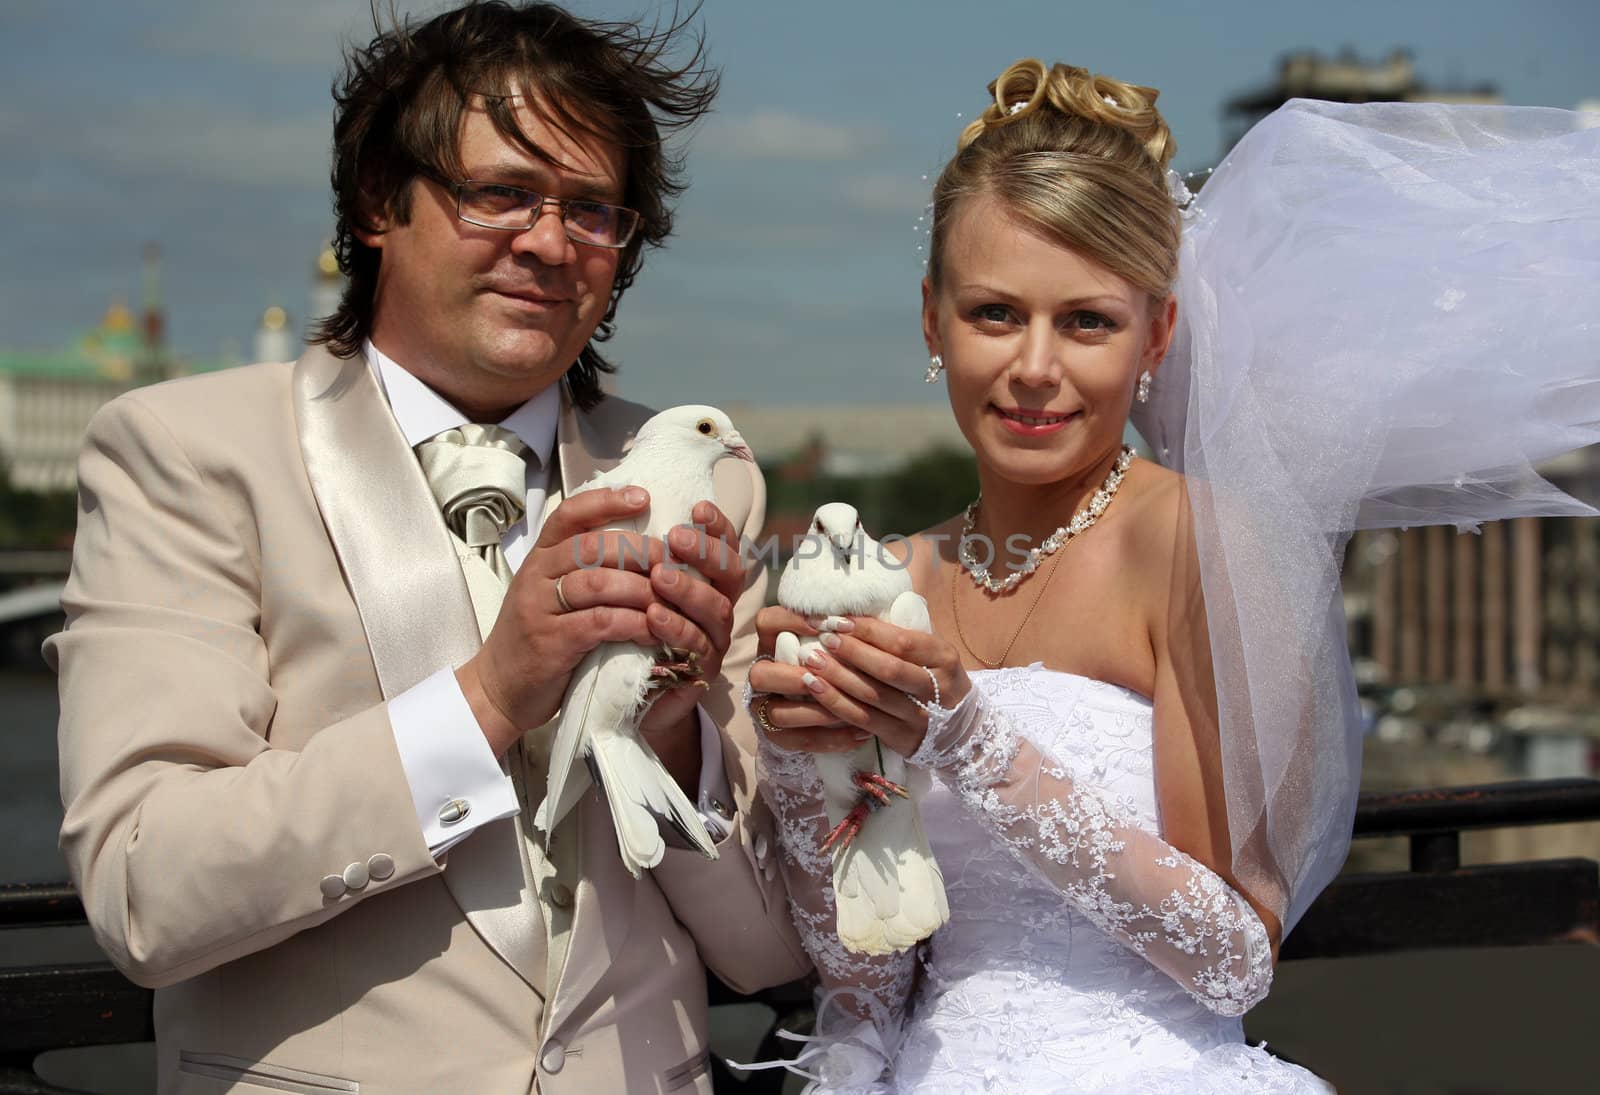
(696, 616)
(516, 681)
(621, 588)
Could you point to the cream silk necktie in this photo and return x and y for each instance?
(479, 479)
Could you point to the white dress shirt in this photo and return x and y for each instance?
(442, 749)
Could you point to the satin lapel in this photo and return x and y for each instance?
(604, 894)
(403, 573)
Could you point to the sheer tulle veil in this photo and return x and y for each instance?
(1389, 314)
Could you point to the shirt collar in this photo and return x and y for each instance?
(422, 412)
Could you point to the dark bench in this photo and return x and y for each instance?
(1437, 903)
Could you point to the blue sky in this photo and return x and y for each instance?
(203, 125)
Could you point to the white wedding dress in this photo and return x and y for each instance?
(1034, 984)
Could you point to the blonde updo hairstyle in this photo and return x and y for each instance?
(1080, 159)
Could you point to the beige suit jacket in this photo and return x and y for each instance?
(259, 565)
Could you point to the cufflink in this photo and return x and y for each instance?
(719, 808)
(454, 811)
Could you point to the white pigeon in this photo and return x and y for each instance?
(890, 894)
(672, 457)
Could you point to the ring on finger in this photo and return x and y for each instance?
(761, 715)
(561, 598)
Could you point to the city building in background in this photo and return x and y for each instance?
(48, 396)
(1344, 78)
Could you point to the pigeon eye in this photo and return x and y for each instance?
(706, 426)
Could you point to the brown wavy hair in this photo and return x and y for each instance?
(401, 99)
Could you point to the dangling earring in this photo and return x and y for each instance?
(935, 367)
(1142, 393)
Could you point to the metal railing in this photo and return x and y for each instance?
(1437, 903)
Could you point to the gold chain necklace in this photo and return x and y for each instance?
(1055, 565)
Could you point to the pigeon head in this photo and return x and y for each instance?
(697, 428)
(852, 576)
(839, 525)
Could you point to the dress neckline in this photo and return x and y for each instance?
(1040, 667)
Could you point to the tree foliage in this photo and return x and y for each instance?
(927, 488)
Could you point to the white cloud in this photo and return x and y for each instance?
(781, 135)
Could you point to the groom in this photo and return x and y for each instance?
(305, 697)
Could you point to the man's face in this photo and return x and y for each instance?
(487, 317)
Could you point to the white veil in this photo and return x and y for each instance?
(1388, 315)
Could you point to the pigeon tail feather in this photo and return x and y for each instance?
(607, 690)
(639, 789)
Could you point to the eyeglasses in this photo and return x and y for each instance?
(513, 209)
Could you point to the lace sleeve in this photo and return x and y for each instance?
(862, 999)
(1133, 885)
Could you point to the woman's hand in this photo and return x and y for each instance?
(872, 675)
(785, 715)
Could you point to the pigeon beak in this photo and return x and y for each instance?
(736, 446)
(841, 551)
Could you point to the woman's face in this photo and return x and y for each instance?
(1042, 346)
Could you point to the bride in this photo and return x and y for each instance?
(1136, 697)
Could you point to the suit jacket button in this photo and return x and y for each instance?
(719, 808)
(555, 1055)
(454, 811)
(332, 886)
(355, 875)
(380, 867)
(561, 895)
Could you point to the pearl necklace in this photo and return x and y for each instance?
(1081, 522)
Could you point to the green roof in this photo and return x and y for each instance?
(94, 360)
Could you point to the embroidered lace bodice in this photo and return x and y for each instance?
(1083, 953)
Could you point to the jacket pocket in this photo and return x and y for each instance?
(237, 1070)
(684, 1075)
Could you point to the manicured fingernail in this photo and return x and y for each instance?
(635, 496)
(838, 623)
(815, 659)
(681, 538)
(830, 640)
(669, 576)
(812, 681)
